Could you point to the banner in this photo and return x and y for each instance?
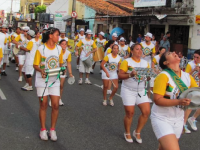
(149, 3)
(71, 43)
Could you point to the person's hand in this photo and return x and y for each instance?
(143, 56)
(70, 75)
(196, 68)
(88, 54)
(184, 102)
(43, 73)
(107, 74)
(133, 73)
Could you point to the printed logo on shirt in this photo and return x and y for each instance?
(52, 62)
(147, 51)
(196, 77)
(112, 66)
(87, 48)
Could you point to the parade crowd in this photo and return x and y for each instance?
(47, 52)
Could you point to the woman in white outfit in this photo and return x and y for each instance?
(167, 116)
(110, 65)
(133, 92)
(48, 56)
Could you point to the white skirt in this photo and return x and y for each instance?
(55, 91)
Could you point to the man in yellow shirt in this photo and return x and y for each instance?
(89, 47)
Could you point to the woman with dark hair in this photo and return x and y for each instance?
(167, 116)
(66, 63)
(48, 56)
(133, 92)
(110, 65)
(193, 69)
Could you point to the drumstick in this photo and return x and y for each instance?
(112, 83)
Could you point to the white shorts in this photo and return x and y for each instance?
(49, 91)
(162, 128)
(5, 58)
(130, 98)
(21, 59)
(83, 68)
(113, 75)
(29, 70)
(151, 82)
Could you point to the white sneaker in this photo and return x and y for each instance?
(111, 102)
(192, 124)
(77, 67)
(109, 91)
(88, 82)
(50, 103)
(25, 86)
(186, 130)
(16, 69)
(43, 135)
(29, 88)
(53, 135)
(80, 81)
(20, 79)
(105, 102)
(61, 103)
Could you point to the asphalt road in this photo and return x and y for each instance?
(83, 123)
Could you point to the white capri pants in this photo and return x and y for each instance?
(21, 59)
(55, 91)
(131, 98)
(162, 128)
(5, 58)
(83, 68)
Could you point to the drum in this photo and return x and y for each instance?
(99, 54)
(15, 50)
(87, 61)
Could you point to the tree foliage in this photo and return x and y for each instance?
(40, 9)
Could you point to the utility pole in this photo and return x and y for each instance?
(11, 12)
(73, 19)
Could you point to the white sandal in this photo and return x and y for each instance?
(111, 102)
(128, 140)
(137, 140)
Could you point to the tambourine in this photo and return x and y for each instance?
(71, 80)
(148, 72)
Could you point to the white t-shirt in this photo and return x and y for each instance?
(51, 59)
(100, 43)
(2, 40)
(132, 83)
(172, 91)
(131, 43)
(65, 57)
(31, 54)
(123, 51)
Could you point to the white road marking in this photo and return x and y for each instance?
(101, 88)
(2, 95)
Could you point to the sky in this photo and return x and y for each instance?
(6, 5)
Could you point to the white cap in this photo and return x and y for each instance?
(4, 26)
(31, 33)
(102, 33)
(88, 31)
(62, 31)
(115, 35)
(149, 34)
(122, 39)
(81, 30)
(26, 28)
